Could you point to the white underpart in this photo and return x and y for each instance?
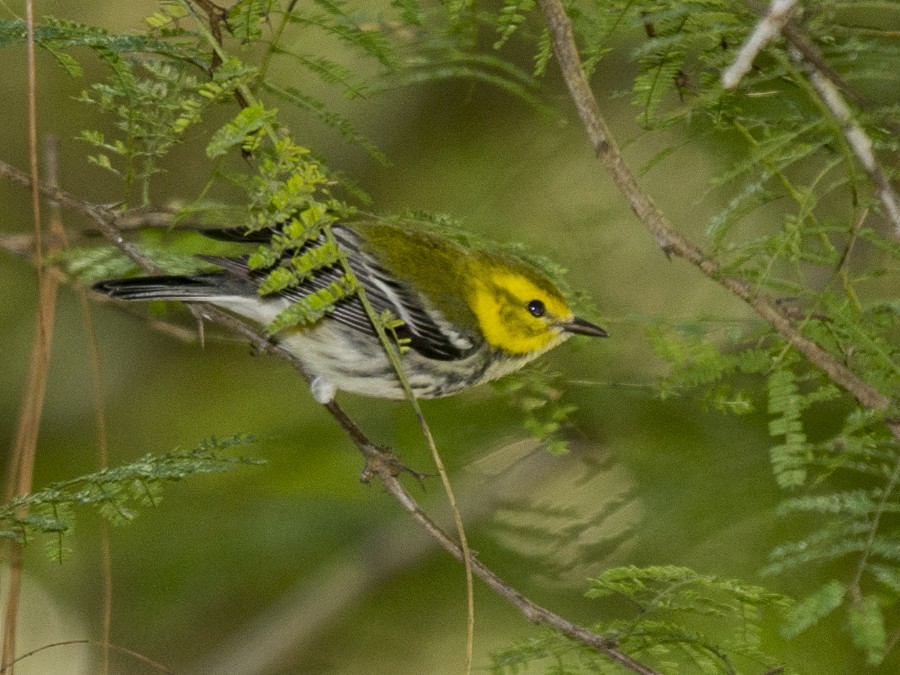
(343, 359)
(326, 349)
(260, 310)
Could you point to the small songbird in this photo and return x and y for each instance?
(470, 315)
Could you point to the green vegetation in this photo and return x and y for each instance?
(259, 97)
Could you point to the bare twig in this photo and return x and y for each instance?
(103, 218)
(394, 357)
(796, 37)
(4, 670)
(21, 466)
(531, 610)
(217, 17)
(866, 554)
(143, 217)
(668, 238)
(21, 246)
(764, 32)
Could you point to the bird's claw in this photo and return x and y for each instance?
(384, 460)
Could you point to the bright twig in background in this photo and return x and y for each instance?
(771, 26)
(765, 31)
(858, 140)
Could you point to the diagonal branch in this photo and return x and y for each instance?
(765, 31)
(379, 461)
(667, 236)
(104, 218)
(531, 610)
(94, 643)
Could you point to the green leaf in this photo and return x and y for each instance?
(328, 117)
(277, 280)
(789, 458)
(246, 18)
(242, 131)
(512, 14)
(114, 491)
(168, 14)
(887, 575)
(667, 610)
(68, 62)
(811, 609)
(313, 307)
(867, 630)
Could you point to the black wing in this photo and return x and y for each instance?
(431, 338)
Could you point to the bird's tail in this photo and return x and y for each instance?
(187, 288)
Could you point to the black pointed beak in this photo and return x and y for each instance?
(582, 327)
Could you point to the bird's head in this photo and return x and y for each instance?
(520, 311)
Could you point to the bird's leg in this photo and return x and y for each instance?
(383, 459)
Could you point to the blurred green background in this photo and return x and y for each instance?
(294, 566)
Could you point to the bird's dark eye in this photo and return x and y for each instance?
(536, 307)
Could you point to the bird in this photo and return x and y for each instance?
(470, 314)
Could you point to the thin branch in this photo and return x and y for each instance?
(104, 218)
(863, 563)
(292, 623)
(64, 643)
(795, 36)
(21, 466)
(529, 609)
(22, 246)
(665, 234)
(217, 17)
(768, 28)
(394, 357)
(379, 461)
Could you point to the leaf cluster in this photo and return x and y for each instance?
(537, 392)
(674, 620)
(117, 493)
(848, 474)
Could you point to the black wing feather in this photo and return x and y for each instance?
(382, 289)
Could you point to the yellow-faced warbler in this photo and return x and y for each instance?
(469, 315)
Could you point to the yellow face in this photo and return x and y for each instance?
(516, 314)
